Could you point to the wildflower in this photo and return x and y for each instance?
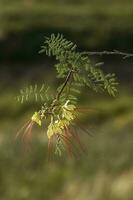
(55, 127)
(64, 137)
(68, 114)
(68, 111)
(60, 131)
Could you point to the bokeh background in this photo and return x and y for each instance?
(106, 173)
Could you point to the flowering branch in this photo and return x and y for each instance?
(61, 112)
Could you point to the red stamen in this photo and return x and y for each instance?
(77, 123)
(18, 133)
(75, 135)
(28, 135)
(50, 148)
(69, 134)
(68, 145)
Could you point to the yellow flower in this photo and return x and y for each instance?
(57, 127)
(37, 118)
(68, 111)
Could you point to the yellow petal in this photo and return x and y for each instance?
(37, 118)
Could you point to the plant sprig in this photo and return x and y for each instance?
(76, 71)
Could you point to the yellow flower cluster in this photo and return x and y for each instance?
(57, 126)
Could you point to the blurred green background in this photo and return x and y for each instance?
(106, 173)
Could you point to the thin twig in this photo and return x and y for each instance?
(62, 88)
(64, 84)
(114, 52)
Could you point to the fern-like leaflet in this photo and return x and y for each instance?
(34, 93)
(85, 72)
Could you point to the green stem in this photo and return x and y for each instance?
(62, 89)
(114, 52)
(64, 85)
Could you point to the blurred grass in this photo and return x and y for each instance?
(107, 24)
(21, 15)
